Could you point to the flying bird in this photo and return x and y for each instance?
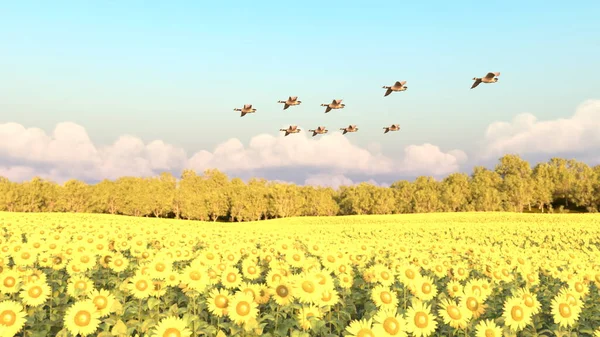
(291, 129)
(318, 131)
(398, 86)
(292, 100)
(245, 110)
(350, 128)
(393, 127)
(489, 78)
(335, 104)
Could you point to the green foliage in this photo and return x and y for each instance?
(564, 185)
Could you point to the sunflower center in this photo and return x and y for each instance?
(282, 291)
(210, 256)
(82, 318)
(426, 288)
(101, 302)
(385, 297)
(118, 262)
(530, 278)
(454, 312)
(342, 269)
(252, 270)
(141, 285)
(472, 304)
(489, 333)
(195, 275)
(528, 300)
(517, 313)
(385, 275)
(365, 333)
(410, 274)
(8, 317)
(242, 308)
(330, 259)
(231, 277)
(308, 286)
(579, 287)
(160, 267)
(172, 332)
(221, 301)
(85, 259)
(565, 310)
(9, 282)
(296, 257)
(35, 291)
(326, 296)
(391, 325)
(80, 285)
(504, 272)
(421, 320)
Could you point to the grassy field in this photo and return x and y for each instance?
(445, 274)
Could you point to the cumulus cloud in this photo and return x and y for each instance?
(335, 181)
(68, 152)
(525, 134)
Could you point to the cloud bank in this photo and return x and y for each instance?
(68, 152)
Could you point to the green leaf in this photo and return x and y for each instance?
(119, 329)
(153, 302)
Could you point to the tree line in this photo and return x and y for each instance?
(513, 185)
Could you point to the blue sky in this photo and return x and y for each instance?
(175, 70)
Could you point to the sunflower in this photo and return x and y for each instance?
(305, 314)
(159, 288)
(454, 315)
(250, 269)
(346, 280)
(59, 262)
(35, 293)
(388, 323)
(12, 317)
(172, 279)
(103, 300)
(171, 326)
(82, 318)
(487, 328)
(516, 314)
(218, 301)
(85, 261)
(425, 289)
(383, 275)
(10, 281)
(579, 287)
(440, 271)
(361, 328)
(195, 277)
(159, 268)
(118, 263)
(140, 286)
(474, 304)
(263, 294)
(454, 288)
(419, 320)
(242, 308)
(24, 258)
(564, 313)
(231, 278)
(409, 275)
(79, 286)
(384, 297)
(283, 292)
(306, 288)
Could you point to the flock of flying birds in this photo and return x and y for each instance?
(337, 104)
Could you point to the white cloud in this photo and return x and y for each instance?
(68, 152)
(526, 134)
(334, 180)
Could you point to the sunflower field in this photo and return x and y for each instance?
(444, 274)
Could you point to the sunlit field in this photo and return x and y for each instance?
(445, 274)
